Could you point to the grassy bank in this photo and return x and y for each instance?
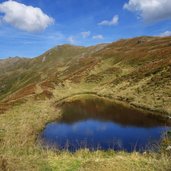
(19, 150)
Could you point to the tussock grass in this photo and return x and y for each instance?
(20, 150)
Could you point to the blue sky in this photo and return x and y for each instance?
(79, 22)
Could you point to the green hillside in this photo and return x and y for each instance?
(135, 72)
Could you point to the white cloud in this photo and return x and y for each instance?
(24, 17)
(114, 21)
(71, 39)
(165, 34)
(98, 36)
(150, 10)
(85, 34)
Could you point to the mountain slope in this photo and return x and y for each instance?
(134, 72)
(137, 71)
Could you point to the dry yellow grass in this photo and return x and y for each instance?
(20, 151)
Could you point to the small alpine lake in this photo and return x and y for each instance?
(96, 123)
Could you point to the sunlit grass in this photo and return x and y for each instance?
(19, 149)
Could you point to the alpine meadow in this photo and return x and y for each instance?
(85, 86)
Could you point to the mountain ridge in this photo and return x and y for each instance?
(127, 69)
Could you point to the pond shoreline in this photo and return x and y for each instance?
(94, 108)
(117, 100)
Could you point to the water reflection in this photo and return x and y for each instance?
(103, 110)
(98, 124)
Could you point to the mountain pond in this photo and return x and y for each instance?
(98, 124)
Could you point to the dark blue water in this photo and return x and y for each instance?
(98, 125)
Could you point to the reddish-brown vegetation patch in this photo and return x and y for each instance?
(44, 95)
(47, 84)
(26, 91)
(4, 107)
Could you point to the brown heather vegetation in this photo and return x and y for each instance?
(135, 72)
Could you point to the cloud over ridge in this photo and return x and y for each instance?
(165, 34)
(85, 34)
(23, 17)
(150, 10)
(99, 36)
(114, 21)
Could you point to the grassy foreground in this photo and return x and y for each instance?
(19, 149)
